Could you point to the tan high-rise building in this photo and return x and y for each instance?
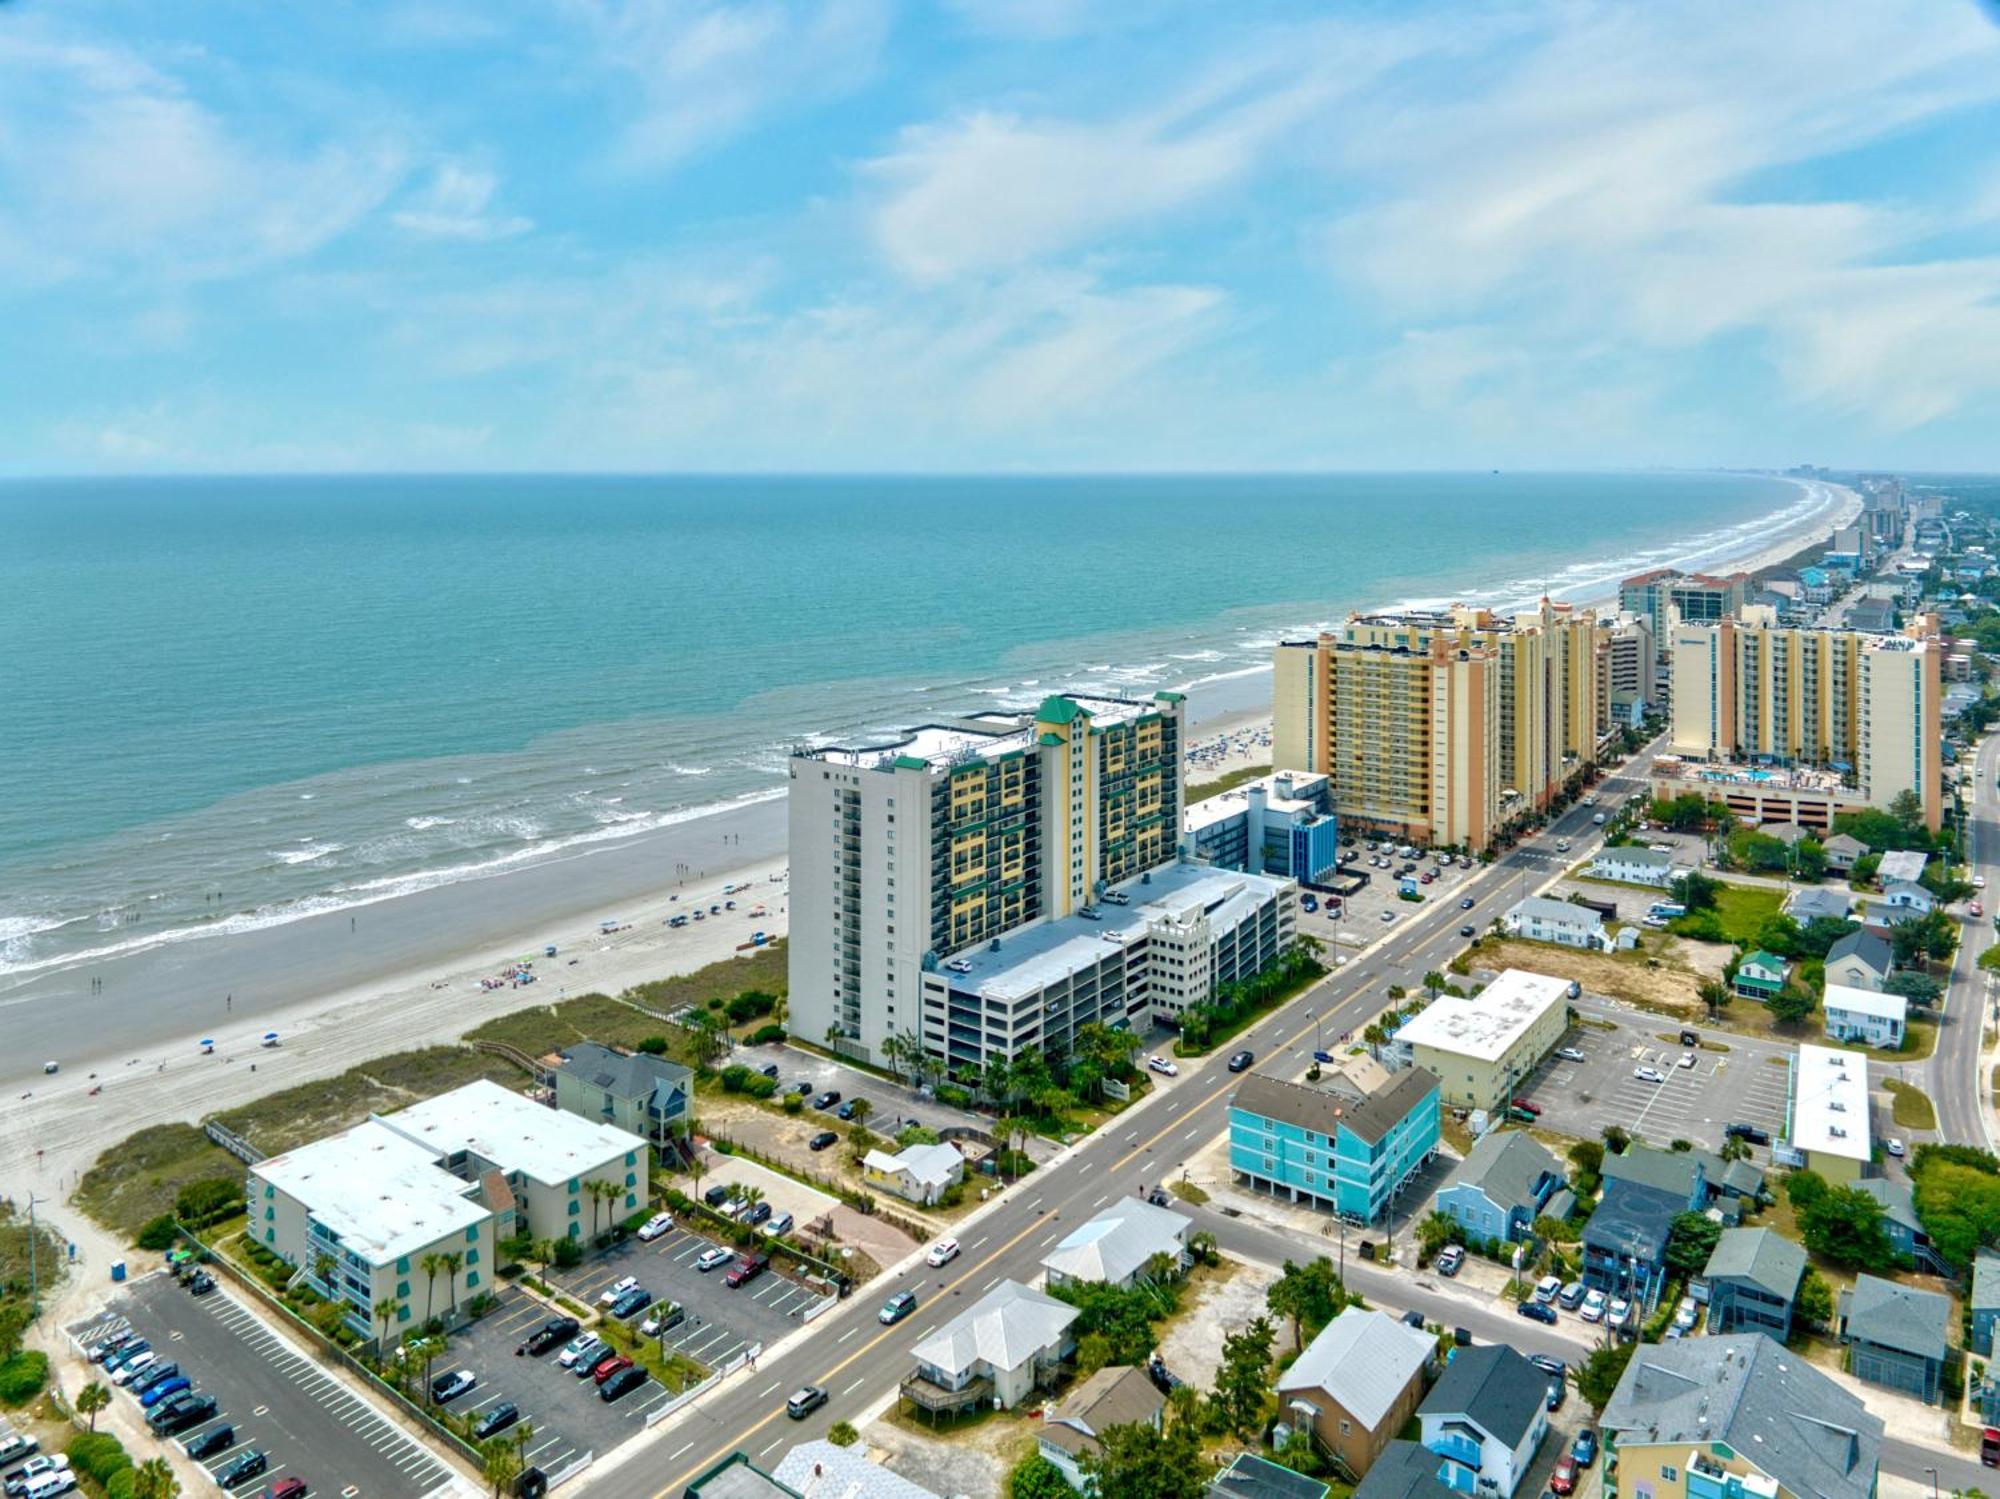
(1439, 727)
(1865, 705)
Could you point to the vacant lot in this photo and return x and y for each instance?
(1657, 977)
(136, 1180)
(1741, 910)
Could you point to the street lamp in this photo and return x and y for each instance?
(1934, 1482)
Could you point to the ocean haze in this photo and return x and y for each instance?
(238, 701)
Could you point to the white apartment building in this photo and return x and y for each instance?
(907, 855)
(359, 1212)
(1542, 918)
(1866, 1015)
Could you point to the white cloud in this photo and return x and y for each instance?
(453, 205)
(107, 161)
(704, 71)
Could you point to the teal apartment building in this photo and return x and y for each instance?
(1348, 1155)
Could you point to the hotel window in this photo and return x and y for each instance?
(1667, 1474)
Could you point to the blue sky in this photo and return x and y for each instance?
(997, 234)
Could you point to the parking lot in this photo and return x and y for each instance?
(279, 1402)
(1747, 1083)
(891, 1105)
(720, 1323)
(1359, 921)
(566, 1418)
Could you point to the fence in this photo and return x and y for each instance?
(568, 1471)
(512, 1054)
(234, 1143)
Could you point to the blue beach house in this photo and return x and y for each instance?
(1331, 1151)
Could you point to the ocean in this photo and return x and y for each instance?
(236, 702)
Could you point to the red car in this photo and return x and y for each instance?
(746, 1270)
(610, 1367)
(1527, 1108)
(1563, 1480)
(285, 1488)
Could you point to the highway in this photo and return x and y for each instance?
(1953, 1075)
(850, 1355)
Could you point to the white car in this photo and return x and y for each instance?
(1593, 1307)
(1569, 1054)
(1388, 915)
(1687, 1059)
(1620, 1310)
(1979, 882)
(1548, 1288)
(942, 1253)
(613, 1292)
(1685, 1314)
(1649, 1074)
(1162, 1066)
(589, 1345)
(712, 1258)
(656, 1225)
(129, 1372)
(1892, 1145)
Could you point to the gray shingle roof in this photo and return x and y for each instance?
(1404, 1470)
(1505, 1165)
(627, 1076)
(1118, 1395)
(1897, 1316)
(1324, 1113)
(1633, 1221)
(1253, 1477)
(1492, 1386)
(1759, 1256)
(1985, 1280)
(1667, 1171)
(1803, 905)
(1364, 1360)
(1644, 858)
(1748, 1391)
(1895, 1198)
(1871, 948)
(1546, 908)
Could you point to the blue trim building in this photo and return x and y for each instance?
(1319, 1147)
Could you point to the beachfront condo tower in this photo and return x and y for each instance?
(1666, 597)
(1830, 720)
(907, 854)
(1442, 727)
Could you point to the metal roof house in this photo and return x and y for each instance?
(1897, 1336)
(1115, 1247)
(999, 1348)
(1357, 1383)
(1738, 1417)
(1753, 1279)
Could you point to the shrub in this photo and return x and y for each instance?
(953, 1096)
(760, 1086)
(121, 1485)
(735, 1077)
(160, 1233)
(22, 1376)
(206, 1201)
(842, 1434)
(98, 1454)
(767, 1035)
(794, 1104)
(751, 1004)
(654, 1046)
(569, 1254)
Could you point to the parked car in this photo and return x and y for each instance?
(104, 1348)
(622, 1383)
(495, 1420)
(896, 1308)
(1893, 1146)
(200, 1283)
(1239, 1061)
(665, 1317)
(1532, 1110)
(610, 1367)
(779, 1226)
(827, 1099)
(34, 1468)
(716, 1196)
(804, 1401)
(1563, 1479)
(448, 1387)
(587, 1368)
(1536, 1311)
(131, 1368)
(712, 1258)
(1690, 1038)
(241, 1470)
(1686, 1314)
(1749, 1134)
(1162, 1066)
(656, 1225)
(822, 1140)
(1687, 1059)
(616, 1289)
(211, 1443)
(1618, 1312)
(1593, 1306)
(1571, 1297)
(16, 1445)
(1450, 1258)
(1570, 1054)
(1649, 1074)
(165, 1390)
(632, 1303)
(154, 1374)
(746, 1270)
(138, 1348)
(1584, 1448)
(942, 1253)
(285, 1488)
(760, 1212)
(589, 1347)
(849, 1109)
(1388, 915)
(550, 1333)
(1548, 1288)
(176, 1414)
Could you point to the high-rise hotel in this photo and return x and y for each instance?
(960, 886)
(1441, 727)
(1864, 708)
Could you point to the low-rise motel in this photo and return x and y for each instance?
(1481, 1048)
(1329, 1148)
(1829, 1123)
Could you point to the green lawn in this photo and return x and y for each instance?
(1912, 1108)
(1743, 909)
(1228, 782)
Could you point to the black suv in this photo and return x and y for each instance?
(556, 1330)
(178, 1414)
(1748, 1133)
(496, 1420)
(716, 1196)
(215, 1440)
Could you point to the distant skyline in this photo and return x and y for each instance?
(962, 235)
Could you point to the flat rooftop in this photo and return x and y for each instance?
(1487, 1024)
(384, 1194)
(1234, 802)
(1034, 957)
(1830, 1103)
(512, 1132)
(981, 736)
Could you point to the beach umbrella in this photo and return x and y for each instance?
(270, 1035)
(206, 1042)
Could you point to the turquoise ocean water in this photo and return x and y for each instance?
(233, 702)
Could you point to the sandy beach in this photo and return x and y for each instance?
(407, 972)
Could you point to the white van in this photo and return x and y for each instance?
(48, 1485)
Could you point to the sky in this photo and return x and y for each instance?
(959, 235)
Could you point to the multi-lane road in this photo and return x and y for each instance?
(850, 1355)
(1953, 1077)
(859, 1362)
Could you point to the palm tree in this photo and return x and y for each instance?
(453, 1263)
(859, 1110)
(385, 1312)
(155, 1480)
(500, 1460)
(600, 1192)
(91, 1399)
(323, 1264)
(430, 1264)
